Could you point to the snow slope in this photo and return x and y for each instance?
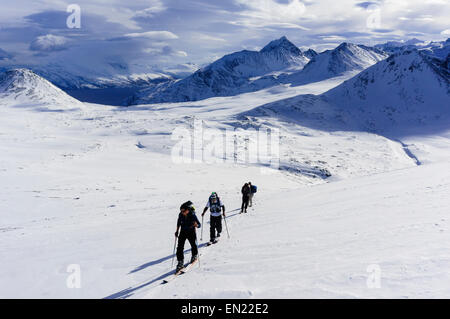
(324, 241)
(25, 88)
(407, 89)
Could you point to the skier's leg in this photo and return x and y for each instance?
(180, 248)
(192, 238)
(219, 224)
(212, 229)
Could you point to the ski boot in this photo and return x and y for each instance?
(180, 266)
(194, 258)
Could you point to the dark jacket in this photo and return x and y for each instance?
(187, 223)
(245, 190)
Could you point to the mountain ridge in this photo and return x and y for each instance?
(279, 62)
(229, 75)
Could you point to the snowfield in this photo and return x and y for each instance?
(348, 214)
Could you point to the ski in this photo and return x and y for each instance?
(171, 277)
(212, 242)
(189, 267)
(180, 272)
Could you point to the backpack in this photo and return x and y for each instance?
(215, 207)
(254, 189)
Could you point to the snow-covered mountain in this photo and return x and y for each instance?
(347, 57)
(310, 53)
(80, 77)
(438, 49)
(408, 90)
(391, 45)
(280, 62)
(233, 74)
(102, 74)
(282, 54)
(24, 87)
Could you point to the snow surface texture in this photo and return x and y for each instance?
(97, 188)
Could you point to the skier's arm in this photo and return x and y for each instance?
(177, 231)
(223, 210)
(204, 211)
(197, 223)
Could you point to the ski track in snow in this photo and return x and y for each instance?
(410, 153)
(97, 188)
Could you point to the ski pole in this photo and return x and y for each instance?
(174, 247)
(198, 256)
(226, 226)
(201, 237)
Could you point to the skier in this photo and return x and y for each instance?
(187, 222)
(217, 209)
(253, 190)
(245, 197)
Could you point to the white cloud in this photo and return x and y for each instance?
(261, 13)
(206, 28)
(165, 51)
(155, 7)
(206, 37)
(425, 17)
(153, 35)
(49, 43)
(248, 23)
(330, 38)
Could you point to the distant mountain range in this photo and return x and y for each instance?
(105, 74)
(408, 89)
(279, 62)
(233, 74)
(436, 49)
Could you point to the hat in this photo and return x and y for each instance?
(186, 205)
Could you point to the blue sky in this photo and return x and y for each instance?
(165, 32)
